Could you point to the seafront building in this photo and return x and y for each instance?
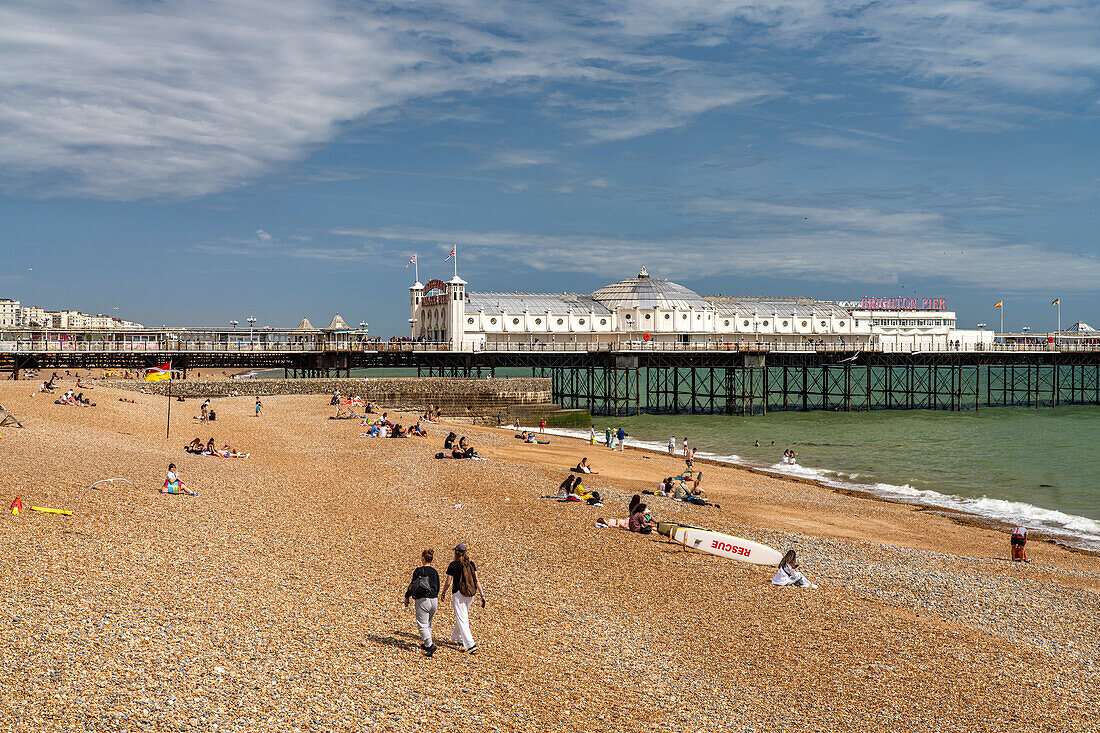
(15, 315)
(657, 313)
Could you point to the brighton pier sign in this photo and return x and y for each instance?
(898, 304)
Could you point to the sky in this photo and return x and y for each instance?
(194, 162)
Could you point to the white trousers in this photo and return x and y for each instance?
(461, 634)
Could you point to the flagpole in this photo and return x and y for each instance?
(1059, 316)
(168, 422)
(416, 266)
(456, 260)
(1002, 318)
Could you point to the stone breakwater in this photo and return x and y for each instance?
(471, 397)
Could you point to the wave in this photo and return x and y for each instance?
(1072, 529)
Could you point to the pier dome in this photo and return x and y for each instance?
(646, 292)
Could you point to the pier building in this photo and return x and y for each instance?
(660, 314)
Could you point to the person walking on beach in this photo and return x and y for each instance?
(685, 447)
(621, 435)
(592, 434)
(463, 573)
(542, 424)
(672, 446)
(1017, 542)
(607, 437)
(614, 439)
(424, 590)
(259, 406)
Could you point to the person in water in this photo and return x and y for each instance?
(789, 574)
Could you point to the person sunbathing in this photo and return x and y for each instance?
(532, 439)
(583, 467)
(173, 484)
(195, 446)
(639, 521)
(789, 574)
(229, 451)
(449, 441)
(463, 450)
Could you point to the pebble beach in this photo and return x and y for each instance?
(273, 601)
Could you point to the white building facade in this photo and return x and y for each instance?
(653, 312)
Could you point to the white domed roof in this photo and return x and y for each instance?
(646, 292)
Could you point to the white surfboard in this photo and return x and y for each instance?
(728, 546)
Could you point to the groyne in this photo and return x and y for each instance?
(455, 397)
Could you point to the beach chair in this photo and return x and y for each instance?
(6, 419)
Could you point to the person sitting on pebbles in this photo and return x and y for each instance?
(583, 467)
(789, 574)
(173, 484)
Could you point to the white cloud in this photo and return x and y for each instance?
(841, 245)
(263, 236)
(114, 99)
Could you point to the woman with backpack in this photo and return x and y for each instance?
(463, 573)
(424, 589)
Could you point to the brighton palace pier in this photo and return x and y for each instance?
(659, 314)
(641, 344)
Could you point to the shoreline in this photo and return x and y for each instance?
(1065, 540)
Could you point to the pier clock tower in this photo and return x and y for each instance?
(456, 311)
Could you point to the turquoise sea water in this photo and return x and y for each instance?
(1037, 467)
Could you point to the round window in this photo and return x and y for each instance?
(698, 316)
(628, 316)
(470, 320)
(515, 321)
(580, 321)
(538, 321)
(784, 323)
(842, 324)
(684, 316)
(823, 324)
(765, 323)
(647, 316)
(492, 320)
(725, 323)
(803, 324)
(745, 323)
(603, 321)
(667, 316)
(560, 321)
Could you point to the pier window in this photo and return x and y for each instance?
(745, 323)
(725, 323)
(470, 321)
(784, 324)
(492, 320)
(603, 321)
(667, 316)
(647, 316)
(580, 321)
(823, 324)
(515, 321)
(765, 323)
(538, 321)
(560, 321)
(842, 324)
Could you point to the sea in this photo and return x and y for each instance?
(1037, 467)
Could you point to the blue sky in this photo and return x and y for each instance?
(197, 162)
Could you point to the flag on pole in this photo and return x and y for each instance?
(159, 374)
(1057, 301)
(999, 304)
(452, 254)
(410, 262)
